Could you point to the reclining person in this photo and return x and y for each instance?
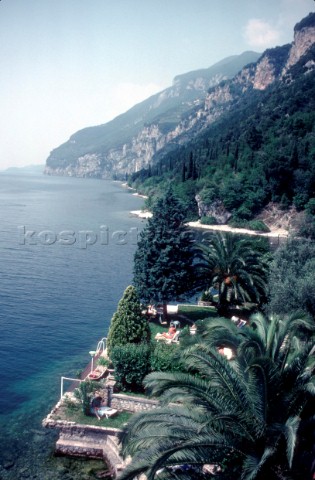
(167, 335)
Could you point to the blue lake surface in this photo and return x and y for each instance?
(67, 249)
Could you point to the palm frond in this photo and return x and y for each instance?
(290, 433)
(253, 464)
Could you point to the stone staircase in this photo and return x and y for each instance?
(92, 443)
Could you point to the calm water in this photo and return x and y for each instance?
(66, 257)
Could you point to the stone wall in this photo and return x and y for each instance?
(92, 442)
(132, 404)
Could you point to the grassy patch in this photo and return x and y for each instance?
(195, 312)
(76, 415)
(156, 327)
(133, 394)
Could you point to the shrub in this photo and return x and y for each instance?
(300, 200)
(131, 363)
(237, 222)
(244, 213)
(206, 296)
(84, 393)
(163, 358)
(208, 221)
(310, 206)
(307, 227)
(104, 362)
(258, 225)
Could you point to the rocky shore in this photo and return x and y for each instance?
(276, 232)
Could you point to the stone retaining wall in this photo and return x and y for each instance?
(132, 404)
(93, 441)
(90, 441)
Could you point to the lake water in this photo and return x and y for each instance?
(67, 248)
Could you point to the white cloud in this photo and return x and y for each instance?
(260, 34)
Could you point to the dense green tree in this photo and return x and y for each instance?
(292, 277)
(128, 325)
(131, 363)
(235, 267)
(243, 414)
(163, 260)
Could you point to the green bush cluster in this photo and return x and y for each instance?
(84, 393)
(163, 358)
(255, 225)
(208, 221)
(258, 225)
(131, 363)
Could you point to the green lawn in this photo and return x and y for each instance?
(196, 312)
(76, 415)
(156, 327)
(192, 313)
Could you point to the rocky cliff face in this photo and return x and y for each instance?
(216, 210)
(304, 37)
(130, 141)
(195, 112)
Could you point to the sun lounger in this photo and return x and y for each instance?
(104, 411)
(193, 330)
(97, 374)
(174, 339)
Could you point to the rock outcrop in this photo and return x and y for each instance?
(215, 210)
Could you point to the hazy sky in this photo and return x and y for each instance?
(70, 64)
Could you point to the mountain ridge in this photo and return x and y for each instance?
(120, 135)
(137, 139)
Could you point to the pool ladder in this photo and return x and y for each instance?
(101, 346)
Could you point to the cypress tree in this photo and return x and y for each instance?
(190, 166)
(163, 260)
(128, 325)
(183, 171)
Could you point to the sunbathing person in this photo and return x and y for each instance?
(98, 373)
(100, 409)
(96, 404)
(168, 335)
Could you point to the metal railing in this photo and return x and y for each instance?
(71, 380)
(101, 347)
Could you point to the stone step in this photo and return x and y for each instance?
(88, 446)
(79, 448)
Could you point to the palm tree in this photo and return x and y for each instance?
(232, 264)
(244, 413)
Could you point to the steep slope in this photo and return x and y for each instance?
(274, 65)
(128, 142)
(254, 142)
(160, 124)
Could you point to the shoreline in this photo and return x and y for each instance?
(136, 194)
(279, 232)
(141, 213)
(275, 233)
